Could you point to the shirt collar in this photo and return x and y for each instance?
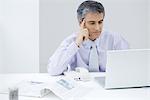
(88, 43)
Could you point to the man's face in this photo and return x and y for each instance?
(94, 24)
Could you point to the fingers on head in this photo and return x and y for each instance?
(82, 25)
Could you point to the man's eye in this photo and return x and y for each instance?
(100, 22)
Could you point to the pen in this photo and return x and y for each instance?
(35, 82)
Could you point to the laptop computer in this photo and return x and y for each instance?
(126, 69)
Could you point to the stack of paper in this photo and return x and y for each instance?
(64, 88)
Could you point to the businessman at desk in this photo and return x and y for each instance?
(88, 47)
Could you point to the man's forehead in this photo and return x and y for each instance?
(94, 16)
(94, 20)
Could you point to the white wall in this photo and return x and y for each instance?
(1, 18)
(20, 36)
(129, 17)
(149, 21)
(58, 20)
(149, 38)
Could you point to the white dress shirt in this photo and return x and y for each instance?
(70, 54)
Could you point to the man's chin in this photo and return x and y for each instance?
(92, 39)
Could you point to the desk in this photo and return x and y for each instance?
(97, 93)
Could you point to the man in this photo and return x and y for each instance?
(89, 44)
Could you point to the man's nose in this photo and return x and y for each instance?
(97, 27)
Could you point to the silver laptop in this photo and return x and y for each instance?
(127, 68)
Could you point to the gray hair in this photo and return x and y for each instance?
(89, 6)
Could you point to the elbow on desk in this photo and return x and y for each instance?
(56, 67)
(54, 71)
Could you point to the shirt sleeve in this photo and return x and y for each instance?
(63, 56)
(120, 43)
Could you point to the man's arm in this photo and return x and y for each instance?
(62, 57)
(120, 43)
(67, 50)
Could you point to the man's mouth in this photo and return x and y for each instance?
(97, 32)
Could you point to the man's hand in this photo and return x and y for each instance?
(83, 34)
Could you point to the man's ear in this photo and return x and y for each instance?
(80, 22)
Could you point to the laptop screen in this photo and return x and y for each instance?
(127, 68)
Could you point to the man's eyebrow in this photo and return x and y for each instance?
(94, 21)
(101, 20)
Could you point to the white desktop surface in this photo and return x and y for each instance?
(97, 93)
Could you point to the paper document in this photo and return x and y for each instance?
(64, 88)
(68, 89)
(29, 88)
(33, 88)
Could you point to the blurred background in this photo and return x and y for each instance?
(31, 30)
